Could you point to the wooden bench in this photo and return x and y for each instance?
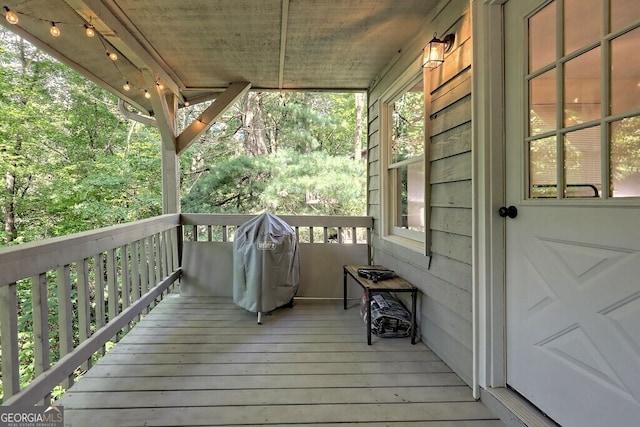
(396, 284)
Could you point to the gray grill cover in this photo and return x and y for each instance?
(265, 264)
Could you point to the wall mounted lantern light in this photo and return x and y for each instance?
(433, 53)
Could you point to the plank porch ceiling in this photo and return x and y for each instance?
(197, 48)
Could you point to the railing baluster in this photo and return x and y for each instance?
(209, 233)
(135, 271)
(84, 307)
(311, 237)
(225, 236)
(9, 342)
(325, 234)
(65, 320)
(146, 267)
(354, 236)
(99, 289)
(164, 271)
(112, 286)
(157, 258)
(41, 351)
(151, 264)
(124, 261)
(195, 233)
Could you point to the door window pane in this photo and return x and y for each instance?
(582, 23)
(582, 99)
(623, 13)
(542, 168)
(542, 37)
(625, 72)
(542, 103)
(582, 163)
(625, 157)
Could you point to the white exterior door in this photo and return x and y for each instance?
(573, 173)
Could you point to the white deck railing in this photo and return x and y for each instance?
(100, 282)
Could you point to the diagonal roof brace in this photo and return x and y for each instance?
(209, 116)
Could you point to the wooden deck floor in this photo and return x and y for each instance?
(200, 361)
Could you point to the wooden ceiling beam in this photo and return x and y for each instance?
(284, 25)
(209, 116)
(115, 32)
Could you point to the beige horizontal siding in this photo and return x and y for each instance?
(445, 279)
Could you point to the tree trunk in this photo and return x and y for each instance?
(253, 125)
(9, 207)
(359, 125)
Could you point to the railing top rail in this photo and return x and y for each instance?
(22, 261)
(292, 220)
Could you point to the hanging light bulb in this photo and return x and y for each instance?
(159, 85)
(90, 30)
(12, 17)
(112, 56)
(55, 31)
(147, 94)
(186, 103)
(126, 86)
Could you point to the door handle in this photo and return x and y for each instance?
(510, 212)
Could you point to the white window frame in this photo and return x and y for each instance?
(415, 240)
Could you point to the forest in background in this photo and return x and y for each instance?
(70, 161)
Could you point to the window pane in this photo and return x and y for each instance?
(542, 37)
(407, 137)
(582, 23)
(410, 203)
(625, 72)
(582, 88)
(625, 158)
(623, 13)
(542, 168)
(542, 103)
(582, 163)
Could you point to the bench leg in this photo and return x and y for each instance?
(414, 297)
(368, 316)
(344, 271)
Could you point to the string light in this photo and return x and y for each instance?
(186, 103)
(12, 17)
(90, 31)
(55, 31)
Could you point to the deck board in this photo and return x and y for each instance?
(204, 361)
